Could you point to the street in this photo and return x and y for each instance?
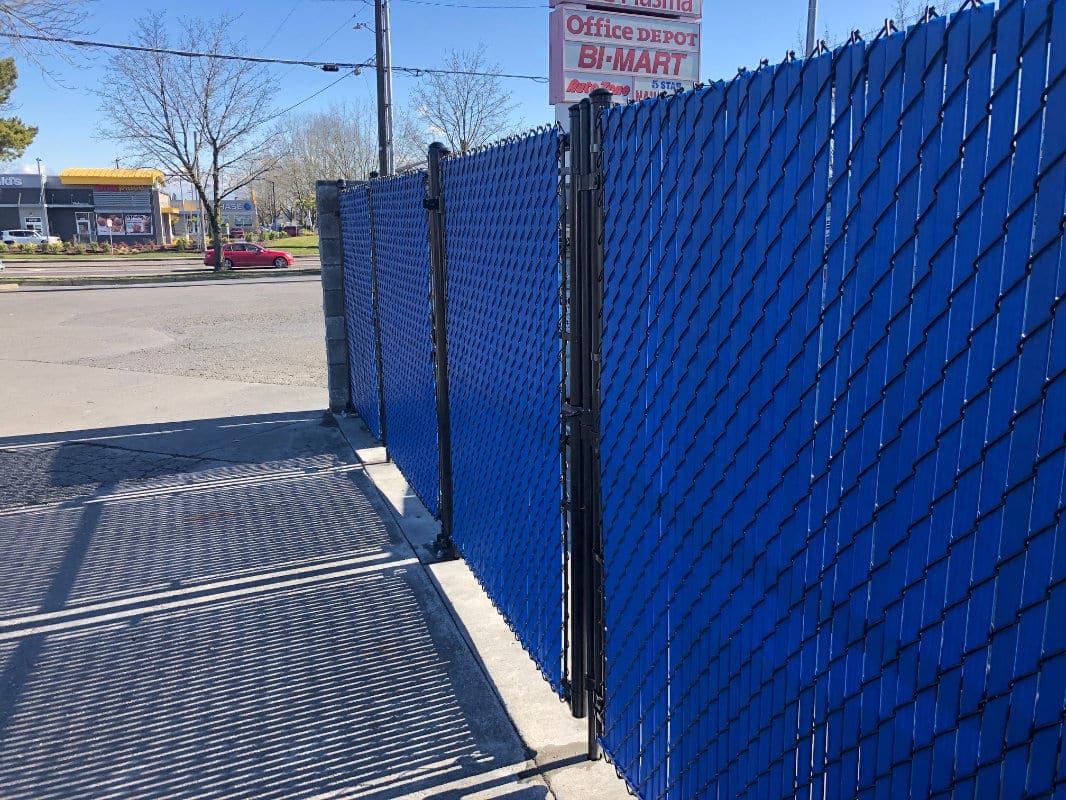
(85, 358)
(117, 267)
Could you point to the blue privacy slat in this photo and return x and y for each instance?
(832, 475)
(501, 228)
(356, 238)
(833, 449)
(401, 236)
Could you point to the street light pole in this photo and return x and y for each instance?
(384, 74)
(44, 205)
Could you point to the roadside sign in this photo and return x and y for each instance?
(632, 55)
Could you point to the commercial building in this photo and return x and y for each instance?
(88, 204)
(238, 212)
(69, 208)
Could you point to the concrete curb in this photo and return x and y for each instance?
(123, 280)
(46, 263)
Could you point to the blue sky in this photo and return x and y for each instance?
(67, 113)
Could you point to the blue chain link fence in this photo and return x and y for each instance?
(400, 237)
(357, 240)
(834, 391)
(502, 232)
(828, 413)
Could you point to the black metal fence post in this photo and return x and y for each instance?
(601, 101)
(434, 202)
(574, 409)
(564, 398)
(379, 362)
(583, 413)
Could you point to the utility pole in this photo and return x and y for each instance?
(384, 68)
(812, 23)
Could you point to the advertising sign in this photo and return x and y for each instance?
(20, 181)
(138, 224)
(235, 205)
(117, 224)
(633, 56)
(110, 187)
(669, 8)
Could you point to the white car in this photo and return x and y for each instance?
(27, 236)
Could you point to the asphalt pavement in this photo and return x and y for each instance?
(122, 267)
(209, 588)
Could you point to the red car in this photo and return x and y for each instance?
(246, 254)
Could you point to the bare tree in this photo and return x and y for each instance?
(339, 142)
(20, 20)
(907, 12)
(202, 120)
(467, 110)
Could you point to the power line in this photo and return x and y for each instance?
(493, 6)
(181, 53)
(281, 25)
(316, 94)
(328, 66)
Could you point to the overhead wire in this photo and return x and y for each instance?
(281, 25)
(329, 66)
(316, 94)
(492, 6)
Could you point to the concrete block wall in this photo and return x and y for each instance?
(331, 252)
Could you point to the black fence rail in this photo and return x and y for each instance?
(805, 535)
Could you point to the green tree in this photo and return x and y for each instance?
(15, 135)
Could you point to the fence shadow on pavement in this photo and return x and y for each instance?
(220, 608)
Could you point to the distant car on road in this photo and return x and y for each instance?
(246, 254)
(27, 236)
(236, 233)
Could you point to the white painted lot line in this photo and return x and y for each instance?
(201, 588)
(132, 496)
(204, 599)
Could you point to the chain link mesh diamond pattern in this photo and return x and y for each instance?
(834, 399)
(359, 304)
(401, 237)
(501, 228)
